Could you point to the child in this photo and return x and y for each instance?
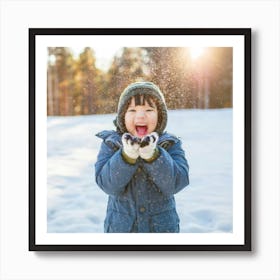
(140, 166)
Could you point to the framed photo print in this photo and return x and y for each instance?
(140, 139)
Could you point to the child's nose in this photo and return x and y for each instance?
(140, 114)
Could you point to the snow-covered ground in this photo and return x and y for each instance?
(77, 205)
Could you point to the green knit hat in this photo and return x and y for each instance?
(142, 88)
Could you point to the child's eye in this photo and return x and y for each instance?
(149, 110)
(131, 110)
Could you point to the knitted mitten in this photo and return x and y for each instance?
(131, 146)
(148, 147)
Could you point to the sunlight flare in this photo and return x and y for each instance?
(196, 52)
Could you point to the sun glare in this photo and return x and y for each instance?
(196, 52)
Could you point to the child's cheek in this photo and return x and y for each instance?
(153, 123)
(128, 121)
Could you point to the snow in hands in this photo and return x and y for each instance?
(133, 146)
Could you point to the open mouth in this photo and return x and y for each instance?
(141, 130)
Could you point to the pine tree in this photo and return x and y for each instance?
(86, 83)
(60, 81)
(221, 81)
(127, 67)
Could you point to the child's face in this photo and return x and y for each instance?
(141, 120)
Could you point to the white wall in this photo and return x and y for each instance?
(17, 262)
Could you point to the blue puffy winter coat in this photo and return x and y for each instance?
(141, 195)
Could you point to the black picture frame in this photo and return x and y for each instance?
(34, 190)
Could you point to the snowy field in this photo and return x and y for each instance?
(77, 205)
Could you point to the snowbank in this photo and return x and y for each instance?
(76, 204)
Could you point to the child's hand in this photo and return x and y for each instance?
(148, 146)
(131, 145)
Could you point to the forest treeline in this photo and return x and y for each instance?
(75, 86)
